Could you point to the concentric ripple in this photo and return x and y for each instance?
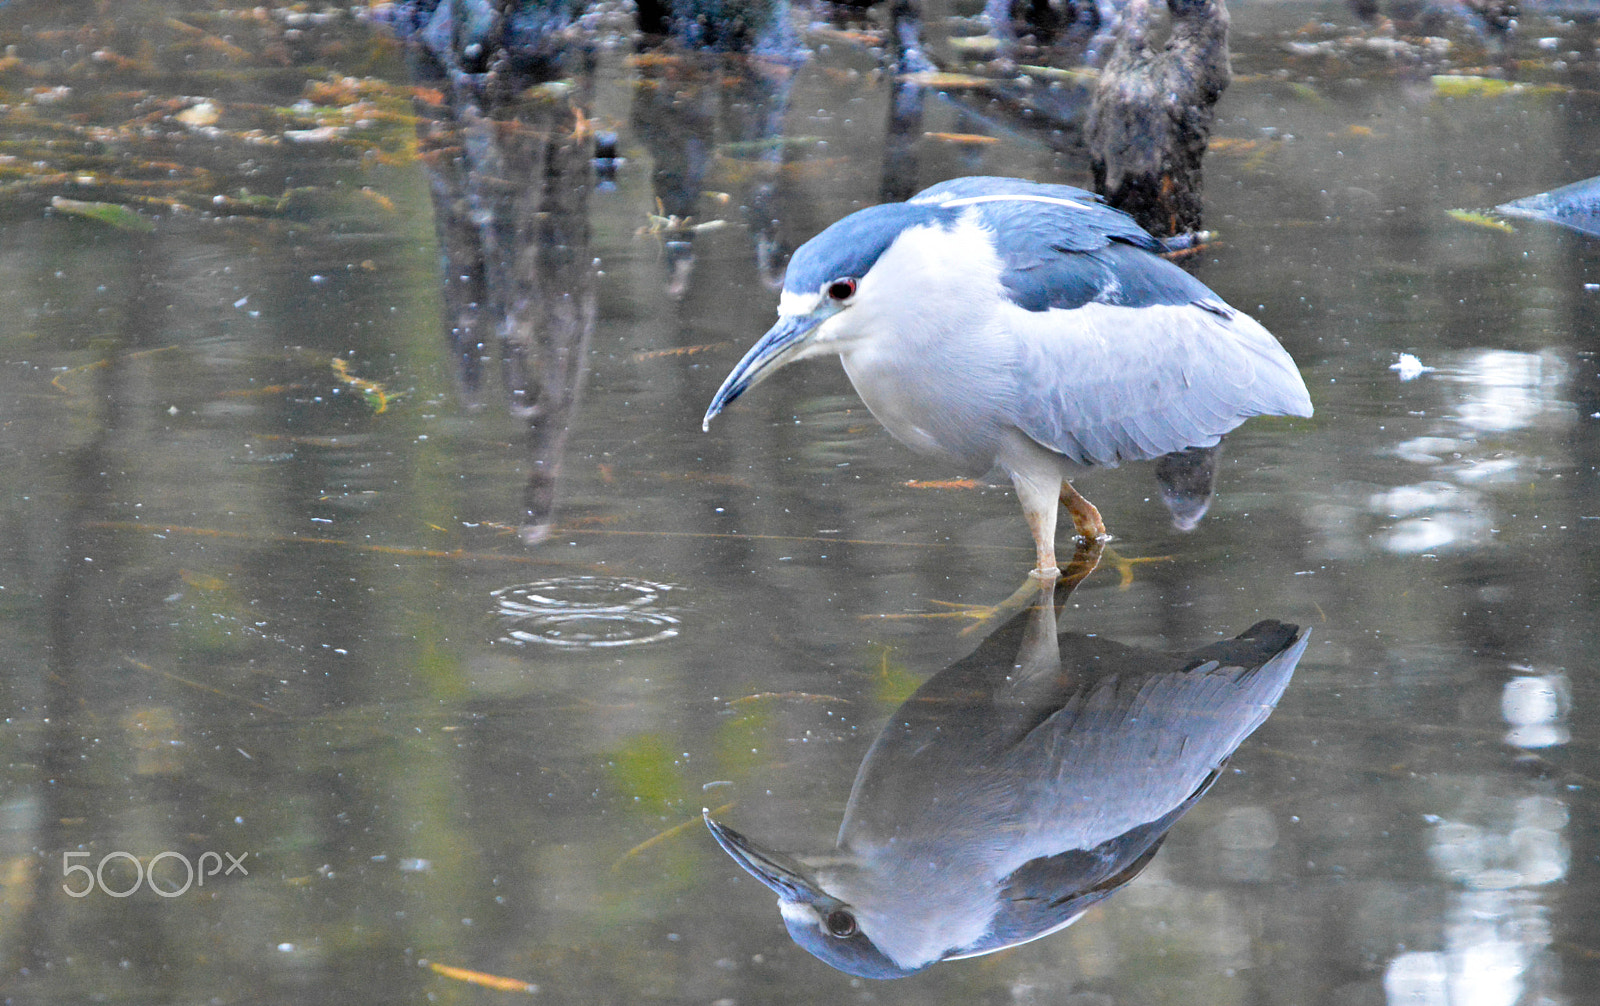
(585, 611)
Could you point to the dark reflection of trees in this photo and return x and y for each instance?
(688, 107)
(754, 26)
(901, 178)
(1041, 773)
(144, 711)
(85, 558)
(509, 161)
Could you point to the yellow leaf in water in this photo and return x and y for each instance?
(374, 393)
(1467, 85)
(377, 197)
(974, 43)
(202, 581)
(1081, 75)
(486, 980)
(967, 138)
(1232, 145)
(842, 35)
(943, 484)
(934, 78)
(1481, 220)
(112, 214)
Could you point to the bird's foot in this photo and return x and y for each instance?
(1124, 565)
(1043, 587)
(1086, 519)
(1085, 560)
(951, 609)
(1034, 590)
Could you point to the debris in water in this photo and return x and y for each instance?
(1409, 367)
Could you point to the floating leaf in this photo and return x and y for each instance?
(112, 214)
(1467, 85)
(893, 683)
(1081, 75)
(970, 139)
(1233, 145)
(935, 78)
(744, 148)
(372, 391)
(1305, 92)
(974, 43)
(646, 769)
(663, 836)
(943, 483)
(656, 354)
(868, 38)
(1480, 219)
(481, 978)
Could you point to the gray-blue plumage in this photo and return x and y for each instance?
(1064, 247)
(856, 242)
(1018, 787)
(999, 322)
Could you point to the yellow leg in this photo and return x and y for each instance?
(1035, 590)
(1085, 518)
(1085, 559)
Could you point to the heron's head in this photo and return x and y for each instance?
(832, 281)
(831, 929)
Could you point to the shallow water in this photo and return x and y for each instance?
(265, 604)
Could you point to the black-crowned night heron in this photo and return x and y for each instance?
(1016, 788)
(998, 322)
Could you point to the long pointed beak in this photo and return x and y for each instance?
(779, 872)
(770, 352)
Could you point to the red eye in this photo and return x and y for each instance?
(842, 289)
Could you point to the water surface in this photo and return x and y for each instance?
(260, 602)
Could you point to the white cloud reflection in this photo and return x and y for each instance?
(1498, 392)
(1535, 707)
(1506, 390)
(1499, 852)
(1432, 516)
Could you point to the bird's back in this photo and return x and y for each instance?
(1116, 353)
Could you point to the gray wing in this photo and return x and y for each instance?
(1217, 702)
(1038, 216)
(1103, 383)
(1048, 893)
(1131, 750)
(1120, 355)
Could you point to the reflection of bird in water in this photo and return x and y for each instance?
(1576, 206)
(1186, 478)
(997, 322)
(1017, 788)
